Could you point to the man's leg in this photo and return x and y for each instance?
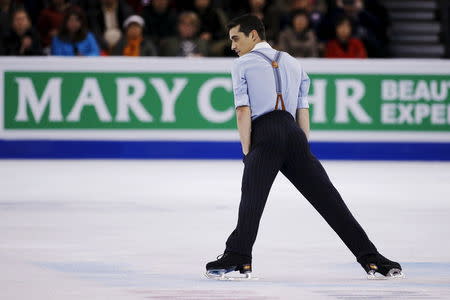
(310, 178)
(261, 167)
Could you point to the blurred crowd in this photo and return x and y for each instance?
(304, 28)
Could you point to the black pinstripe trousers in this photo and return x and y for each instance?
(278, 144)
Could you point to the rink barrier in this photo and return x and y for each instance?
(214, 150)
(177, 108)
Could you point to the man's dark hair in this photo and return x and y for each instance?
(247, 23)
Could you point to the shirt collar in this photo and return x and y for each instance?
(261, 45)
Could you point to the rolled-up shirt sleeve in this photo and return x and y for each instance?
(302, 101)
(239, 85)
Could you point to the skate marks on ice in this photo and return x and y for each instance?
(152, 285)
(229, 276)
(393, 274)
(424, 280)
(377, 294)
(225, 294)
(89, 227)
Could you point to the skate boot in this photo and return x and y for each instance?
(229, 262)
(377, 263)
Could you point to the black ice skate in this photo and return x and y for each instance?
(377, 263)
(229, 262)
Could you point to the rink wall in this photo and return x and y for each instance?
(176, 108)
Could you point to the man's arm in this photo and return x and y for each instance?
(302, 117)
(302, 114)
(244, 124)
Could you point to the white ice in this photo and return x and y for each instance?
(145, 229)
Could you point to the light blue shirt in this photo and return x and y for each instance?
(254, 82)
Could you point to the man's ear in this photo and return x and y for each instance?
(254, 35)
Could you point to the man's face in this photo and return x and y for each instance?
(240, 43)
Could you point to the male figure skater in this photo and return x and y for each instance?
(270, 92)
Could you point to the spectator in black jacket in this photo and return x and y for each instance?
(22, 38)
(213, 23)
(160, 20)
(212, 26)
(6, 9)
(105, 19)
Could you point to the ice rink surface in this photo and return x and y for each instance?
(145, 229)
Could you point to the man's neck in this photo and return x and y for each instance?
(261, 44)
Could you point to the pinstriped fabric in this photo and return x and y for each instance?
(278, 144)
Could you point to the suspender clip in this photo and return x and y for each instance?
(280, 99)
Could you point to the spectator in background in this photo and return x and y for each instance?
(6, 10)
(187, 42)
(137, 5)
(313, 9)
(159, 19)
(22, 39)
(105, 20)
(369, 28)
(372, 21)
(50, 20)
(269, 15)
(74, 39)
(298, 39)
(33, 7)
(212, 21)
(344, 45)
(134, 43)
(212, 28)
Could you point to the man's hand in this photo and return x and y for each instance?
(244, 124)
(302, 117)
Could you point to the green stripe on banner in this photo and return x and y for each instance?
(124, 100)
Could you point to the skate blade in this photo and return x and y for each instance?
(220, 275)
(392, 274)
